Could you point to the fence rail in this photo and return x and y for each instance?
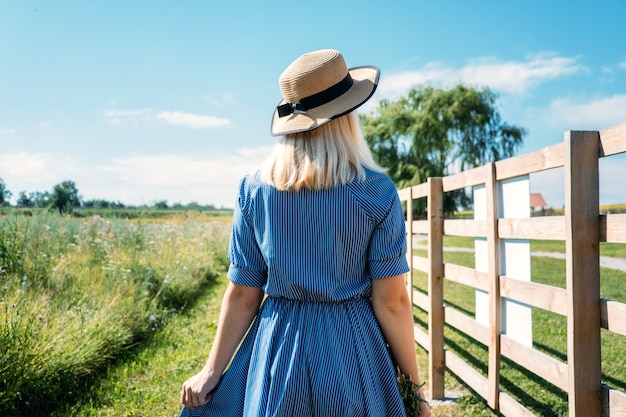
(582, 229)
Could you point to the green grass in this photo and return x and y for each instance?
(76, 295)
(549, 329)
(114, 315)
(147, 382)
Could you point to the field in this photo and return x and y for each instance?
(108, 316)
(79, 295)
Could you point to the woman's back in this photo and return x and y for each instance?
(318, 245)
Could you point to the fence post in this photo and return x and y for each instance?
(409, 234)
(493, 271)
(583, 273)
(435, 287)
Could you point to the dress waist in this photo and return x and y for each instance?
(355, 299)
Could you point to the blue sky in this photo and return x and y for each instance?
(140, 101)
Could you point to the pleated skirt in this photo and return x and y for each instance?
(309, 358)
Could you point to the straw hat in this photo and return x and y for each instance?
(317, 88)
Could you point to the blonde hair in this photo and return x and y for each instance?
(330, 155)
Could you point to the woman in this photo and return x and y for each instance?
(317, 261)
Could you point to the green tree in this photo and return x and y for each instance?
(40, 199)
(64, 197)
(161, 205)
(24, 200)
(5, 194)
(435, 132)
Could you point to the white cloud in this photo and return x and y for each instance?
(144, 117)
(136, 180)
(22, 171)
(221, 100)
(9, 131)
(622, 65)
(184, 178)
(195, 121)
(503, 76)
(32, 167)
(132, 117)
(595, 114)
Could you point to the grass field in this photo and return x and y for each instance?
(109, 316)
(549, 329)
(77, 295)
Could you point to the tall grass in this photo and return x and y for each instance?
(75, 294)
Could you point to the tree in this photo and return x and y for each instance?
(64, 197)
(161, 205)
(24, 200)
(435, 132)
(40, 199)
(5, 194)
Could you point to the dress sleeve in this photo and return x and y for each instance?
(247, 265)
(387, 249)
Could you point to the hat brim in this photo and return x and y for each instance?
(365, 81)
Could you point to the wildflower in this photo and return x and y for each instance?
(152, 318)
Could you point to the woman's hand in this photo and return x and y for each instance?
(196, 390)
(239, 306)
(424, 410)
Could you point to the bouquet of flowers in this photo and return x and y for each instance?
(409, 392)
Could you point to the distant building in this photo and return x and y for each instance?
(537, 202)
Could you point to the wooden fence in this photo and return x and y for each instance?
(581, 227)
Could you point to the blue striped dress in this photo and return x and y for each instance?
(315, 347)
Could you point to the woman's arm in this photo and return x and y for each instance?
(239, 307)
(394, 313)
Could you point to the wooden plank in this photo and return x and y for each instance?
(420, 263)
(436, 318)
(421, 300)
(420, 227)
(421, 338)
(613, 228)
(547, 367)
(409, 243)
(466, 276)
(583, 273)
(404, 194)
(544, 228)
(613, 140)
(543, 296)
(546, 158)
(420, 190)
(464, 179)
(469, 375)
(467, 325)
(613, 402)
(613, 316)
(511, 408)
(495, 303)
(460, 227)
